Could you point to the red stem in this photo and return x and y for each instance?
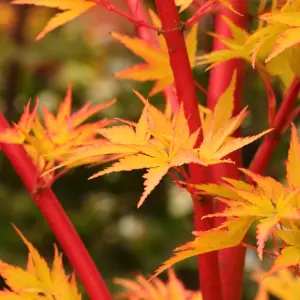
(269, 143)
(57, 219)
(231, 260)
(186, 92)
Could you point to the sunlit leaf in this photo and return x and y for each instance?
(38, 281)
(70, 9)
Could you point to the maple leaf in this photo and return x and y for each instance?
(280, 35)
(241, 45)
(38, 281)
(174, 147)
(17, 134)
(284, 285)
(142, 289)
(237, 47)
(157, 67)
(184, 4)
(56, 134)
(290, 254)
(268, 203)
(227, 235)
(70, 10)
(219, 125)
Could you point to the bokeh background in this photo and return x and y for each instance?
(122, 240)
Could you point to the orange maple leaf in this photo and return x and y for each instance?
(142, 289)
(38, 281)
(57, 134)
(70, 10)
(157, 67)
(17, 134)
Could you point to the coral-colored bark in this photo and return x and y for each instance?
(231, 261)
(58, 221)
(269, 143)
(184, 82)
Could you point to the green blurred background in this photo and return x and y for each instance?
(121, 239)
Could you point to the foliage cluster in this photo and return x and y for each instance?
(163, 142)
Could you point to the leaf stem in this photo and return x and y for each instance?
(138, 22)
(270, 141)
(57, 219)
(186, 93)
(231, 260)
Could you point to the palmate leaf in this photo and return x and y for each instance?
(57, 134)
(284, 285)
(141, 289)
(17, 134)
(174, 149)
(259, 205)
(38, 281)
(184, 4)
(280, 35)
(70, 10)
(237, 47)
(290, 254)
(227, 235)
(218, 127)
(157, 65)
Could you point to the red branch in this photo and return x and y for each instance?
(269, 143)
(186, 92)
(231, 260)
(57, 219)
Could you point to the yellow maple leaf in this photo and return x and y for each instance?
(227, 235)
(184, 4)
(38, 281)
(157, 64)
(175, 148)
(290, 254)
(237, 47)
(241, 45)
(280, 35)
(70, 10)
(218, 127)
(142, 289)
(284, 285)
(267, 203)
